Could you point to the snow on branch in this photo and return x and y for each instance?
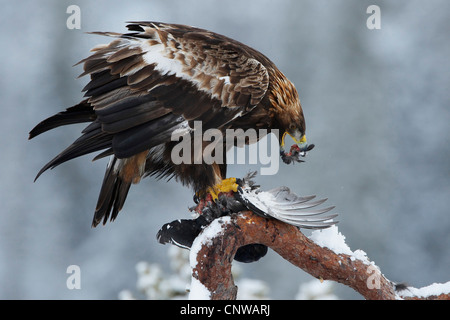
(324, 255)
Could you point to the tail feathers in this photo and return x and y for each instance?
(82, 112)
(113, 194)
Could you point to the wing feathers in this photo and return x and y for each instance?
(137, 139)
(130, 112)
(86, 144)
(141, 75)
(198, 56)
(149, 82)
(106, 88)
(82, 112)
(191, 72)
(99, 79)
(124, 53)
(127, 65)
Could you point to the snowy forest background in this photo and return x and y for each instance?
(376, 104)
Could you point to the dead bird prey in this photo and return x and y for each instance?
(279, 203)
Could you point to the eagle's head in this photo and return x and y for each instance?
(288, 111)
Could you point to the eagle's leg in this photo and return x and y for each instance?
(212, 183)
(225, 186)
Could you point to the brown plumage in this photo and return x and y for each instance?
(158, 79)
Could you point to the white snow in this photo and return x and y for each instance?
(155, 283)
(434, 289)
(126, 295)
(205, 237)
(332, 239)
(198, 290)
(252, 289)
(316, 290)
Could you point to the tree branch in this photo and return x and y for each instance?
(213, 250)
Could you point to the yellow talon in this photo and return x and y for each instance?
(225, 186)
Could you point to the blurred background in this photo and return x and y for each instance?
(377, 106)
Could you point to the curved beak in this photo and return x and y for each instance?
(300, 141)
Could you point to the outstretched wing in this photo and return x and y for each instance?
(281, 204)
(169, 73)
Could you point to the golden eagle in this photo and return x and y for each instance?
(158, 79)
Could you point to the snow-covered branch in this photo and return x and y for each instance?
(324, 255)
